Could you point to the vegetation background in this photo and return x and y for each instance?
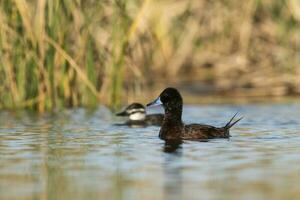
(65, 53)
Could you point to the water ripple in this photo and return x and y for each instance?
(83, 154)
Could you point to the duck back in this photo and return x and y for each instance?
(155, 119)
(200, 131)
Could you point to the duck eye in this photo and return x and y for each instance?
(164, 98)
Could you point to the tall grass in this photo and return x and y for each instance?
(54, 53)
(65, 53)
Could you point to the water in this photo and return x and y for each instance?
(82, 155)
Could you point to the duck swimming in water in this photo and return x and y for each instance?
(173, 128)
(138, 116)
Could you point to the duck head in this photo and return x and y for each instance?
(134, 111)
(170, 99)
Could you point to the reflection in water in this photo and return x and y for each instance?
(172, 145)
(80, 155)
(173, 172)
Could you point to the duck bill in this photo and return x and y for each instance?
(122, 113)
(156, 102)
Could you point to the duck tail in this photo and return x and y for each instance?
(230, 123)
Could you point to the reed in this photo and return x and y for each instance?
(63, 53)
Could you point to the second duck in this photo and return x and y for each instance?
(137, 115)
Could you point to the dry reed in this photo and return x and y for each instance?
(62, 53)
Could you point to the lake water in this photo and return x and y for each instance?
(80, 154)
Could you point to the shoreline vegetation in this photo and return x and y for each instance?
(62, 53)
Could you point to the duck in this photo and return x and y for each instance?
(173, 128)
(137, 115)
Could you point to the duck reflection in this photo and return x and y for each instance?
(173, 170)
(171, 146)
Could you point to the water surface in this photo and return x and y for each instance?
(81, 155)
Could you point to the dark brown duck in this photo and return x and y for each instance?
(174, 129)
(137, 116)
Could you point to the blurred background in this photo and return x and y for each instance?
(61, 54)
(69, 53)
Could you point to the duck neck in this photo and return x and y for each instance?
(173, 115)
(172, 125)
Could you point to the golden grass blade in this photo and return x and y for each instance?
(74, 65)
(25, 13)
(39, 26)
(137, 20)
(294, 6)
